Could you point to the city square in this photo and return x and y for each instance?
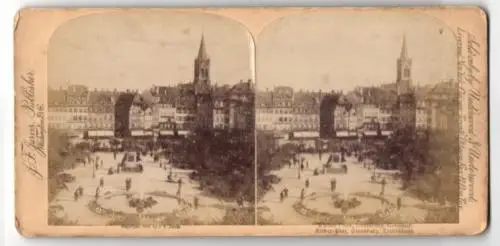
(112, 202)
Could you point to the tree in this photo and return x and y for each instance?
(224, 161)
(428, 161)
(62, 155)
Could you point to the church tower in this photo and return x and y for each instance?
(202, 88)
(403, 80)
(202, 66)
(406, 96)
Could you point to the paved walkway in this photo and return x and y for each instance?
(152, 179)
(318, 195)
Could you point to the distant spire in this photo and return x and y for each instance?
(202, 53)
(404, 51)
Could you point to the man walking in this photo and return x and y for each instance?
(333, 184)
(383, 183)
(195, 202)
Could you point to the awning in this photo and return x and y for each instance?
(166, 132)
(101, 133)
(135, 133)
(386, 133)
(183, 132)
(370, 133)
(342, 134)
(305, 134)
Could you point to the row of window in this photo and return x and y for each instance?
(81, 110)
(80, 117)
(185, 111)
(185, 118)
(289, 119)
(287, 110)
(82, 126)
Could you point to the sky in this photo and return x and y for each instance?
(136, 51)
(342, 51)
(306, 51)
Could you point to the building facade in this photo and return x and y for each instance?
(101, 114)
(241, 102)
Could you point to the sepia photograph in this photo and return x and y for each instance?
(251, 121)
(151, 121)
(357, 120)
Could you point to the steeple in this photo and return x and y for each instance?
(202, 53)
(404, 51)
(202, 69)
(404, 63)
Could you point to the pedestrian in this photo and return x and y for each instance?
(97, 191)
(178, 194)
(102, 163)
(195, 202)
(333, 185)
(307, 183)
(299, 175)
(114, 154)
(302, 167)
(383, 183)
(96, 165)
(76, 195)
(128, 184)
(398, 203)
(282, 196)
(302, 194)
(240, 201)
(285, 192)
(289, 164)
(80, 191)
(101, 182)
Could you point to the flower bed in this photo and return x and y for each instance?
(363, 218)
(96, 208)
